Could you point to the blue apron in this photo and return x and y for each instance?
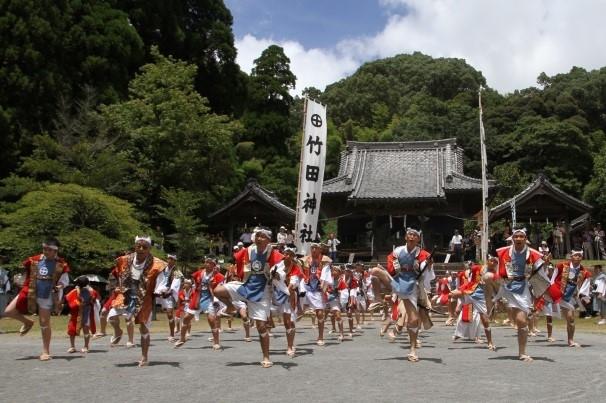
(571, 284)
(44, 287)
(404, 282)
(518, 261)
(254, 287)
(206, 297)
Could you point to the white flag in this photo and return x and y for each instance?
(311, 175)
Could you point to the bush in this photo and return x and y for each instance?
(91, 226)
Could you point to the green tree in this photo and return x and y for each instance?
(199, 32)
(82, 150)
(179, 209)
(51, 50)
(168, 131)
(92, 226)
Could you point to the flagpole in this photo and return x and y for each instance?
(484, 239)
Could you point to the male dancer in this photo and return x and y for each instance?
(256, 290)
(516, 264)
(136, 274)
(409, 270)
(168, 285)
(42, 291)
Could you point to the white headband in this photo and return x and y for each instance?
(522, 230)
(413, 231)
(259, 230)
(576, 252)
(53, 247)
(171, 257)
(144, 239)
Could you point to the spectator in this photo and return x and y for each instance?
(599, 292)
(599, 242)
(544, 249)
(456, 246)
(5, 286)
(290, 238)
(246, 237)
(332, 244)
(282, 238)
(588, 245)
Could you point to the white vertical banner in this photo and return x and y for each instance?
(311, 175)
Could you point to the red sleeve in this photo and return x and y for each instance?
(240, 257)
(217, 279)
(501, 253)
(423, 255)
(390, 268)
(275, 258)
(354, 283)
(64, 265)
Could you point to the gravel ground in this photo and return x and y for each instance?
(366, 368)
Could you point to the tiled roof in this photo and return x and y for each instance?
(253, 191)
(401, 170)
(541, 185)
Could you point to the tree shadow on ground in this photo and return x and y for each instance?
(480, 347)
(173, 364)
(565, 345)
(327, 343)
(516, 358)
(55, 357)
(285, 365)
(205, 348)
(404, 358)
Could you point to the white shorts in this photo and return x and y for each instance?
(412, 297)
(479, 306)
(285, 309)
(256, 310)
(361, 303)
(522, 301)
(167, 303)
(45, 303)
(335, 305)
(568, 305)
(315, 299)
(239, 305)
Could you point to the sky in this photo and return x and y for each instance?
(510, 41)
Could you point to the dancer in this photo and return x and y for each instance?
(472, 296)
(256, 291)
(83, 302)
(516, 264)
(286, 277)
(572, 283)
(136, 275)
(168, 285)
(409, 271)
(317, 273)
(42, 292)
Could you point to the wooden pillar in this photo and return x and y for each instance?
(373, 250)
(568, 237)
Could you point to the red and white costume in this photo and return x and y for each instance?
(82, 310)
(255, 266)
(36, 270)
(315, 272)
(282, 288)
(514, 269)
(570, 282)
